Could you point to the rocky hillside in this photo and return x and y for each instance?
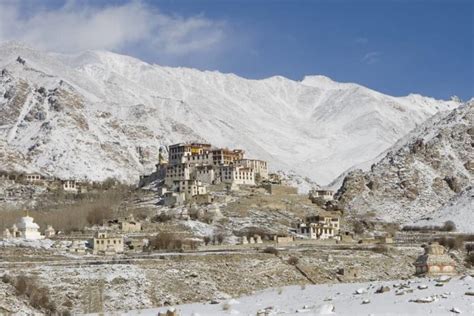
(420, 175)
(98, 114)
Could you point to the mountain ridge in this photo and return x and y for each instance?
(131, 107)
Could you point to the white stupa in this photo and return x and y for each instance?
(28, 229)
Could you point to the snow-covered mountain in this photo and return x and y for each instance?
(98, 114)
(426, 177)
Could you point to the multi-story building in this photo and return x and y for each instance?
(177, 172)
(224, 156)
(260, 167)
(237, 175)
(321, 226)
(106, 243)
(178, 153)
(190, 188)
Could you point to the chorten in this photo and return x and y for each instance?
(435, 261)
(28, 229)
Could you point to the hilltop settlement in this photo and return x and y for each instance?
(208, 225)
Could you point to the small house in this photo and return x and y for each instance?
(104, 243)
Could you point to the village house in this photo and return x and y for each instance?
(70, 186)
(283, 239)
(108, 244)
(435, 261)
(77, 247)
(33, 177)
(322, 226)
(326, 195)
(49, 232)
(126, 225)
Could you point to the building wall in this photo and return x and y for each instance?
(100, 243)
(278, 189)
(205, 175)
(260, 167)
(177, 172)
(237, 175)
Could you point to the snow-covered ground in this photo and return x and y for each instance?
(460, 210)
(343, 299)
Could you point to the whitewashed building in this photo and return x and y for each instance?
(321, 226)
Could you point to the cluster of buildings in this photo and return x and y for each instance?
(103, 242)
(69, 185)
(191, 167)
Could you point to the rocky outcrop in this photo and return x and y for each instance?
(419, 174)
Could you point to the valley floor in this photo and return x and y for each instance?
(438, 298)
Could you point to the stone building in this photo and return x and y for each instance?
(280, 189)
(321, 226)
(126, 225)
(326, 195)
(70, 186)
(33, 177)
(435, 261)
(224, 156)
(237, 174)
(260, 167)
(105, 243)
(49, 232)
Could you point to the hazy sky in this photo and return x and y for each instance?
(394, 46)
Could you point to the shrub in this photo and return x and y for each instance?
(21, 284)
(38, 296)
(166, 241)
(6, 278)
(271, 250)
(451, 243)
(293, 260)
(449, 226)
(379, 248)
(97, 215)
(207, 240)
(358, 228)
(161, 218)
(469, 247)
(470, 260)
(220, 238)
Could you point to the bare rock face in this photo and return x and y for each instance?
(418, 175)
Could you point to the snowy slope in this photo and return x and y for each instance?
(101, 114)
(342, 299)
(427, 174)
(460, 210)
